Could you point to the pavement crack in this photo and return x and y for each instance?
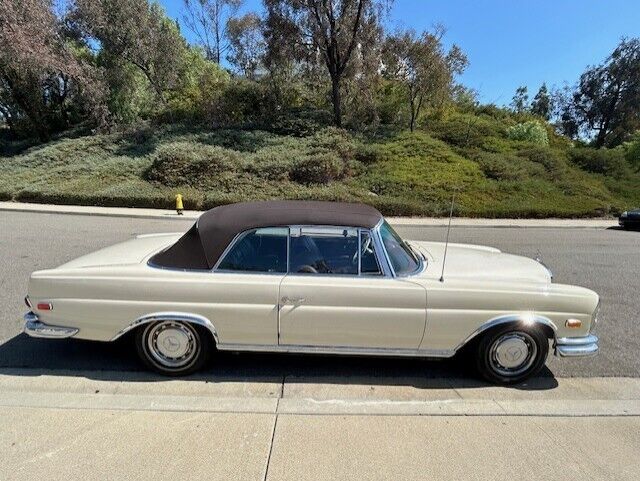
(273, 431)
(273, 435)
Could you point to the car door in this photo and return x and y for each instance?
(337, 295)
(244, 288)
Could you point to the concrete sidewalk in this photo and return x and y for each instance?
(65, 425)
(417, 221)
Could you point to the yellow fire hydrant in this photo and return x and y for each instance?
(179, 206)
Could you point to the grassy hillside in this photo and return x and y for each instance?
(401, 173)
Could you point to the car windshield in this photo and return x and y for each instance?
(402, 258)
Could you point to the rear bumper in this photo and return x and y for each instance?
(577, 346)
(35, 328)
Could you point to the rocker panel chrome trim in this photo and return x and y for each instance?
(337, 350)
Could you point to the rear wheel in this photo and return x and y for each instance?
(511, 354)
(173, 348)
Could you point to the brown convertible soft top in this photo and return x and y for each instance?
(204, 243)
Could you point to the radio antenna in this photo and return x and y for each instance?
(446, 244)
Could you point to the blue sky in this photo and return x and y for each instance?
(514, 42)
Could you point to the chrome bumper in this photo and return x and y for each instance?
(577, 346)
(34, 328)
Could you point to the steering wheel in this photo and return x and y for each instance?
(307, 269)
(366, 248)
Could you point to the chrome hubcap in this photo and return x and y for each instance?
(172, 344)
(513, 353)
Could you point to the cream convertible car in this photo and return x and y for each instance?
(313, 277)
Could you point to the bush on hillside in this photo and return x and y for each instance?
(237, 139)
(552, 161)
(271, 164)
(464, 130)
(300, 122)
(609, 162)
(500, 166)
(632, 151)
(368, 154)
(189, 164)
(532, 131)
(318, 169)
(333, 140)
(242, 102)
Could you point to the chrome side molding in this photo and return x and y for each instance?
(170, 316)
(337, 350)
(526, 319)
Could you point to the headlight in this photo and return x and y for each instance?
(624, 214)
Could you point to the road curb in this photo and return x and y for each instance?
(159, 214)
(590, 397)
(314, 407)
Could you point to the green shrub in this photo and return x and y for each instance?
(159, 201)
(334, 140)
(632, 151)
(398, 206)
(237, 139)
(464, 130)
(189, 164)
(552, 161)
(498, 145)
(500, 166)
(270, 164)
(368, 154)
(531, 131)
(318, 169)
(610, 162)
(241, 103)
(300, 122)
(215, 199)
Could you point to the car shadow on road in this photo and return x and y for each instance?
(117, 361)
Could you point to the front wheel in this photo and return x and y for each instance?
(511, 354)
(173, 348)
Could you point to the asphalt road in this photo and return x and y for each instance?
(606, 260)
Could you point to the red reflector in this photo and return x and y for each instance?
(44, 306)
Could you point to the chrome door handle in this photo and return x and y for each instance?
(292, 300)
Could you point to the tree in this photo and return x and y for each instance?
(246, 44)
(139, 33)
(330, 30)
(605, 104)
(422, 66)
(520, 100)
(565, 118)
(44, 77)
(209, 21)
(542, 104)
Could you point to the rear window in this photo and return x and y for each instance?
(260, 250)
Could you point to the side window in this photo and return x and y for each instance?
(369, 264)
(324, 250)
(260, 250)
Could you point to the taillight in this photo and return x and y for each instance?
(45, 306)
